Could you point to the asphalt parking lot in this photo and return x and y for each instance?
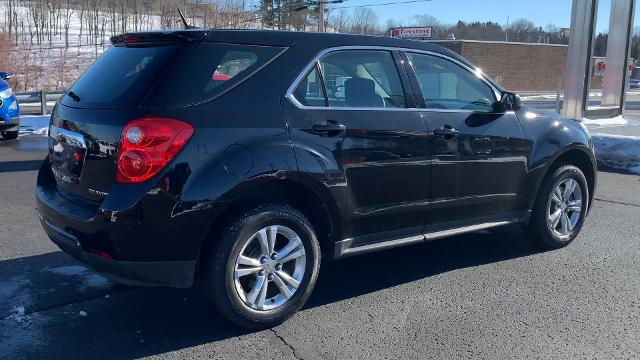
(488, 295)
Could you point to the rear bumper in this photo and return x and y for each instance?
(137, 234)
(141, 247)
(161, 273)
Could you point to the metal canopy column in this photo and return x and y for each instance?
(618, 50)
(578, 71)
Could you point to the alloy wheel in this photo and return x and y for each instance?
(270, 267)
(564, 207)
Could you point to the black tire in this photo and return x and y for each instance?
(539, 229)
(10, 135)
(218, 282)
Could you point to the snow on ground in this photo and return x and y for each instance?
(618, 152)
(89, 278)
(54, 65)
(25, 328)
(21, 332)
(539, 97)
(550, 95)
(618, 120)
(16, 291)
(23, 325)
(34, 124)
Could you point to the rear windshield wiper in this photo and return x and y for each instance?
(74, 96)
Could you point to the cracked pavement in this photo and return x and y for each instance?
(482, 295)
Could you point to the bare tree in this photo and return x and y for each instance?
(339, 20)
(364, 21)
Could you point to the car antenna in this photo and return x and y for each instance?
(184, 21)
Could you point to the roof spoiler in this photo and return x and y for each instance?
(156, 38)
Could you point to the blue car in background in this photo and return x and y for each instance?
(9, 110)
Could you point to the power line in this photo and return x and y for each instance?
(293, 7)
(334, 8)
(381, 4)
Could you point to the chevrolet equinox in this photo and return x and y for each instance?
(237, 159)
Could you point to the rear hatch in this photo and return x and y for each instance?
(143, 75)
(87, 123)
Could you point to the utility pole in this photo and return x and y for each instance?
(506, 31)
(320, 4)
(321, 16)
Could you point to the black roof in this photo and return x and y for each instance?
(314, 40)
(293, 38)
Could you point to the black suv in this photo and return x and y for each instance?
(237, 159)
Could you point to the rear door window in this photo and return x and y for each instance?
(210, 71)
(362, 78)
(310, 91)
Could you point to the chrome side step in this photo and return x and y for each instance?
(382, 245)
(343, 248)
(466, 229)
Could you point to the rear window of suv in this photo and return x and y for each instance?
(212, 70)
(118, 77)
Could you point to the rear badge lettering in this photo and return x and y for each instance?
(98, 193)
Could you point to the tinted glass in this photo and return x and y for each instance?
(310, 91)
(362, 78)
(118, 77)
(212, 69)
(447, 85)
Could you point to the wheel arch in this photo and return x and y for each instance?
(297, 191)
(579, 156)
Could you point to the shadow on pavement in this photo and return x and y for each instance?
(27, 143)
(138, 322)
(27, 165)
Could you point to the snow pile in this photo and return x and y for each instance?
(618, 152)
(552, 95)
(618, 120)
(34, 124)
(539, 97)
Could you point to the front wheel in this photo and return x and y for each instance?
(264, 267)
(10, 135)
(560, 208)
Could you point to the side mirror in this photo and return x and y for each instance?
(508, 102)
(5, 75)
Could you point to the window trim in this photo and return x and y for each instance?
(391, 49)
(318, 70)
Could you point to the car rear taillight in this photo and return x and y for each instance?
(148, 144)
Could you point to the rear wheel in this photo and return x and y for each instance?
(560, 207)
(10, 135)
(264, 267)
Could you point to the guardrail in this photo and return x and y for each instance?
(38, 102)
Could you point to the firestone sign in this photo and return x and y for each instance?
(411, 32)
